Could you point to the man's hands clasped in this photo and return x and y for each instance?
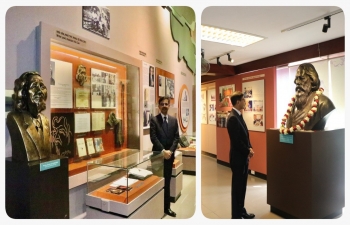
(167, 154)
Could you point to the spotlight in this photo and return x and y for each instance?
(229, 58)
(218, 62)
(328, 25)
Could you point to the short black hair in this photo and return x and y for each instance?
(163, 98)
(237, 95)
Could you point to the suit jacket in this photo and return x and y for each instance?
(239, 140)
(162, 139)
(27, 145)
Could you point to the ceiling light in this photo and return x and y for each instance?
(229, 37)
(217, 61)
(229, 58)
(313, 20)
(328, 25)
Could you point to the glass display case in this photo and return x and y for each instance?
(188, 150)
(123, 183)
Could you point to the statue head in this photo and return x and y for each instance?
(81, 75)
(306, 81)
(30, 93)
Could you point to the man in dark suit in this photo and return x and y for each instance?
(164, 132)
(240, 152)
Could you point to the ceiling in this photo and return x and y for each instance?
(268, 22)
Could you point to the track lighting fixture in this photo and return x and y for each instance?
(328, 25)
(218, 61)
(229, 58)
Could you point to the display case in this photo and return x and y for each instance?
(125, 186)
(188, 150)
(176, 177)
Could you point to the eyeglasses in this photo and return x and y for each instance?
(164, 104)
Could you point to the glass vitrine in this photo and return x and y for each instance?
(123, 182)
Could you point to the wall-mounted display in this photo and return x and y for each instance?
(62, 134)
(80, 76)
(221, 118)
(211, 107)
(149, 99)
(161, 85)
(225, 93)
(184, 108)
(103, 89)
(98, 121)
(254, 94)
(82, 122)
(61, 93)
(81, 148)
(82, 97)
(97, 20)
(98, 144)
(169, 88)
(90, 146)
(204, 107)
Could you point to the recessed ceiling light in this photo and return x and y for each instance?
(229, 37)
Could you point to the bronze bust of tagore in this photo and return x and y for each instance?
(309, 109)
(28, 128)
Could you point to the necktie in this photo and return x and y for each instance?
(165, 125)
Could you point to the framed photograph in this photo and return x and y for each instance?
(98, 144)
(169, 88)
(103, 89)
(97, 20)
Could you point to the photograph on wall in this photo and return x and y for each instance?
(254, 112)
(258, 105)
(149, 93)
(62, 134)
(98, 144)
(161, 85)
(52, 72)
(258, 120)
(61, 96)
(169, 87)
(249, 105)
(103, 89)
(211, 107)
(185, 107)
(247, 92)
(204, 107)
(97, 20)
(225, 93)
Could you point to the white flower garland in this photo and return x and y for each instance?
(301, 125)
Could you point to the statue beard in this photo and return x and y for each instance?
(301, 97)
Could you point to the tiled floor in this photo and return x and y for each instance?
(185, 205)
(216, 192)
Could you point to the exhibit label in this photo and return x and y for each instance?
(286, 138)
(49, 165)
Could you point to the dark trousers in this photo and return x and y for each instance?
(168, 166)
(238, 190)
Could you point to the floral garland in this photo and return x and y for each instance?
(301, 125)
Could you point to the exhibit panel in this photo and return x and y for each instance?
(122, 184)
(306, 173)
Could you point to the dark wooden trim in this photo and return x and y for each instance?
(321, 49)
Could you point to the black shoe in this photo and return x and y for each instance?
(248, 215)
(170, 212)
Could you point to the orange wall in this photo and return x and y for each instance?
(257, 139)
